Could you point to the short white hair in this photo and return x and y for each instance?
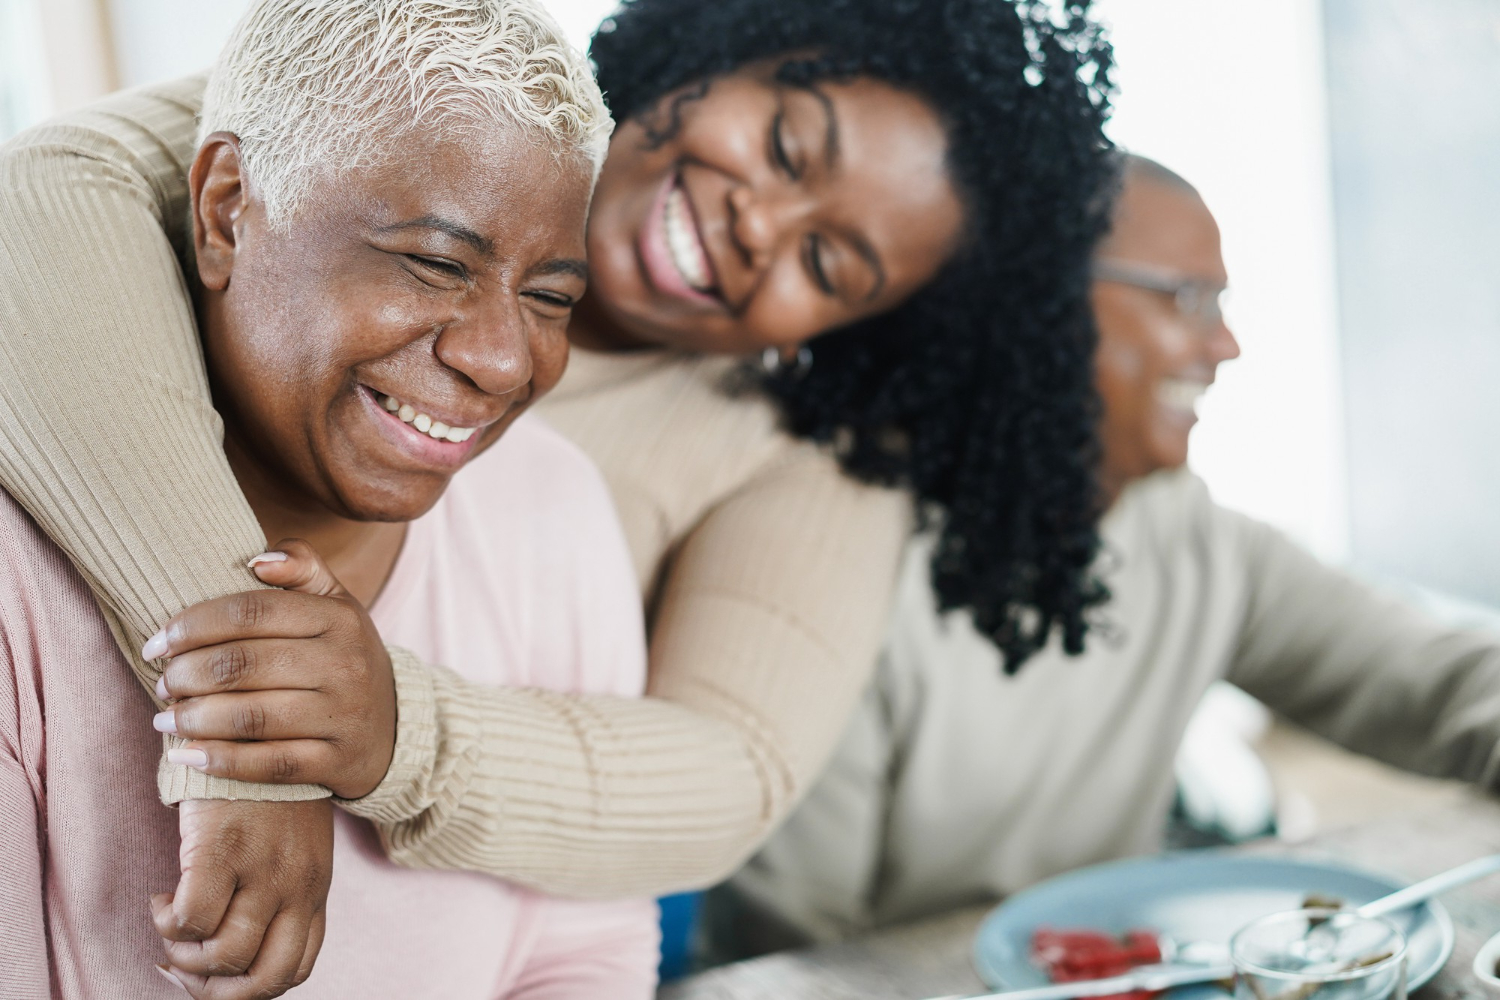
(313, 87)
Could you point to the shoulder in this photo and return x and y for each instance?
(684, 415)
(139, 142)
(1165, 510)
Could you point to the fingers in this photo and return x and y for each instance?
(315, 933)
(254, 614)
(247, 665)
(249, 715)
(234, 944)
(303, 570)
(195, 910)
(289, 762)
(277, 967)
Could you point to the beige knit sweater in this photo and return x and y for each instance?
(766, 571)
(955, 784)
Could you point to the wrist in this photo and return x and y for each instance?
(400, 794)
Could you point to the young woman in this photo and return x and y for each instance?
(889, 203)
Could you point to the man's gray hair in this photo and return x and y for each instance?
(313, 87)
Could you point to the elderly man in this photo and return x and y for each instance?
(957, 784)
(388, 230)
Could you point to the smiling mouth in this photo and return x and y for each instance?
(435, 429)
(685, 243)
(1181, 394)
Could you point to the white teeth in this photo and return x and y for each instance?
(435, 429)
(682, 241)
(1180, 394)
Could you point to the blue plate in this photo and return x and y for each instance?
(1191, 896)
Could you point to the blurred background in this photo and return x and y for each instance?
(1349, 149)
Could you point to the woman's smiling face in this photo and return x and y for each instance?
(405, 317)
(770, 213)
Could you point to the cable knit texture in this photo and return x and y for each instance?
(766, 572)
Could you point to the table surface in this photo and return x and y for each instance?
(932, 958)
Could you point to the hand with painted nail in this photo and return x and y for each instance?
(247, 918)
(280, 686)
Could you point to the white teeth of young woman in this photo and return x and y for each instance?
(435, 429)
(1181, 394)
(682, 241)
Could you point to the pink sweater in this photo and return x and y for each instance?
(519, 576)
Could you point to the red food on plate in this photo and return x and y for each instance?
(1068, 956)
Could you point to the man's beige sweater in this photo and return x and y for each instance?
(766, 571)
(956, 784)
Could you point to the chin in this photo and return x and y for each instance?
(388, 502)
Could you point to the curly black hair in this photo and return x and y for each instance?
(977, 394)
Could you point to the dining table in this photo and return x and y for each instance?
(933, 957)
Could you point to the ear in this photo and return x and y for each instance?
(217, 187)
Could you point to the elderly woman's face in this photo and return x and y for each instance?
(409, 314)
(771, 213)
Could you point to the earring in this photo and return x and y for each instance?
(775, 363)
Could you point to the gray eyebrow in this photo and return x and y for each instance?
(562, 265)
(448, 227)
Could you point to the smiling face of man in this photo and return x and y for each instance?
(1155, 361)
(396, 326)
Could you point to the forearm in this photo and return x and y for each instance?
(108, 437)
(573, 795)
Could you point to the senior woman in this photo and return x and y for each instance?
(478, 133)
(896, 199)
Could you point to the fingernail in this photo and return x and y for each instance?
(155, 647)
(164, 722)
(267, 557)
(161, 688)
(187, 757)
(168, 973)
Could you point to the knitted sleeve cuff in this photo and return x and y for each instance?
(402, 794)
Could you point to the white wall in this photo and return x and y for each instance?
(161, 39)
(1231, 94)
(25, 94)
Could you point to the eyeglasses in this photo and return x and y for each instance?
(1199, 302)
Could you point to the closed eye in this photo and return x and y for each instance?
(555, 299)
(447, 268)
(779, 155)
(814, 257)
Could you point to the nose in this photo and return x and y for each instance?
(490, 345)
(1222, 343)
(760, 220)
